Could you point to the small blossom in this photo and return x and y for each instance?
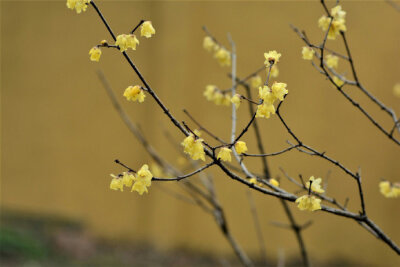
(256, 81)
(272, 57)
(307, 53)
(194, 147)
(265, 110)
(396, 90)
(95, 54)
(224, 154)
(116, 183)
(266, 95)
(125, 41)
(337, 26)
(218, 98)
(279, 90)
(236, 99)
(254, 181)
(274, 71)
(226, 101)
(223, 56)
(134, 93)
(315, 185)
(389, 190)
(332, 61)
(274, 182)
(128, 179)
(78, 5)
(143, 180)
(337, 81)
(338, 13)
(209, 44)
(240, 147)
(309, 203)
(209, 92)
(147, 29)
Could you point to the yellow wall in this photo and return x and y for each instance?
(60, 133)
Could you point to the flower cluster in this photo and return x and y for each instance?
(389, 190)
(212, 93)
(269, 96)
(78, 5)
(337, 24)
(309, 202)
(134, 93)
(193, 146)
(140, 182)
(220, 53)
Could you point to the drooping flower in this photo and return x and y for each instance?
(194, 147)
(134, 93)
(274, 182)
(266, 95)
(125, 41)
(209, 44)
(332, 61)
(272, 57)
(223, 56)
(265, 110)
(218, 98)
(307, 53)
(338, 13)
(315, 185)
(338, 25)
(116, 183)
(224, 154)
(95, 54)
(226, 101)
(78, 5)
(147, 29)
(209, 92)
(236, 99)
(389, 190)
(127, 179)
(256, 81)
(143, 180)
(240, 147)
(279, 90)
(310, 203)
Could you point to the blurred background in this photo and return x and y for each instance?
(60, 133)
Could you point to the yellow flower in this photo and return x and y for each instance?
(332, 61)
(218, 98)
(240, 147)
(337, 81)
(223, 56)
(265, 94)
(274, 71)
(336, 26)
(279, 90)
(315, 185)
(254, 181)
(143, 180)
(134, 93)
(116, 183)
(256, 81)
(95, 54)
(274, 182)
(127, 179)
(396, 90)
(208, 43)
(338, 13)
(125, 41)
(78, 5)
(264, 110)
(226, 101)
(194, 147)
(209, 92)
(236, 100)
(272, 57)
(147, 29)
(309, 203)
(224, 154)
(389, 190)
(308, 53)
